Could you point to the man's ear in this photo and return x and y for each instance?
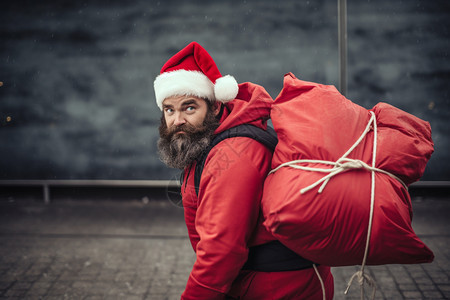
(217, 107)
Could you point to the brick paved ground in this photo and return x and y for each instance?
(136, 250)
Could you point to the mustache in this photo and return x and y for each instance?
(187, 128)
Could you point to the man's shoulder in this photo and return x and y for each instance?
(240, 152)
(266, 137)
(239, 145)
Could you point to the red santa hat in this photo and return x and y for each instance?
(192, 71)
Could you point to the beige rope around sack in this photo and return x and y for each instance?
(341, 165)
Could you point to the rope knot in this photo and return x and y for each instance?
(346, 163)
(362, 278)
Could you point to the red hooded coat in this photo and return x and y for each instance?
(225, 219)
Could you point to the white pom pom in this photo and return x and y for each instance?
(226, 88)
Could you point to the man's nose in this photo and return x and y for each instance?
(179, 119)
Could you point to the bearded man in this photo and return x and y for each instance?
(237, 257)
(185, 135)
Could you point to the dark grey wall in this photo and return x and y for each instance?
(77, 98)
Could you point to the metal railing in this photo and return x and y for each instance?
(46, 185)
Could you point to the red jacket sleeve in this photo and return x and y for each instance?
(228, 209)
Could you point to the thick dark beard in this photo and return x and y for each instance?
(182, 149)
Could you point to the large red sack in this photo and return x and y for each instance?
(315, 121)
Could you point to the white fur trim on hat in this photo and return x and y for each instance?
(226, 88)
(182, 82)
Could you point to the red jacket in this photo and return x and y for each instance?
(225, 219)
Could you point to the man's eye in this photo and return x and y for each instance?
(169, 110)
(190, 108)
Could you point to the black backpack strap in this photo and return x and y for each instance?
(266, 137)
(275, 257)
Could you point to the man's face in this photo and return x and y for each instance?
(180, 110)
(187, 126)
